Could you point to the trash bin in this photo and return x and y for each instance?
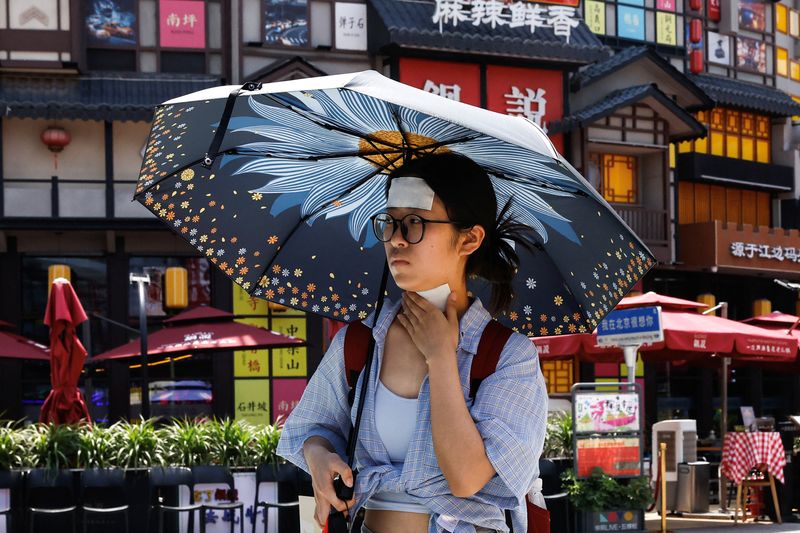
(693, 487)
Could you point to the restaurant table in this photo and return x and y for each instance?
(741, 452)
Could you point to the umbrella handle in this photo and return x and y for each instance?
(222, 128)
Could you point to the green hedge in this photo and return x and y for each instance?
(137, 444)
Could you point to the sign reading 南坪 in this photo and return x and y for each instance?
(457, 81)
(182, 24)
(561, 19)
(630, 327)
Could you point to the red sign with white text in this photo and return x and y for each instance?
(182, 23)
(536, 94)
(457, 81)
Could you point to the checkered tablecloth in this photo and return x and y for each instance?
(743, 451)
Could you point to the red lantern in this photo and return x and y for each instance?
(695, 5)
(714, 10)
(696, 30)
(696, 61)
(55, 138)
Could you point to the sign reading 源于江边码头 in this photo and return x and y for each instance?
(749, 250)
(516, 14)
(628, 327)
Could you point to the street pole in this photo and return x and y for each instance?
(630, 361)
(141, 280)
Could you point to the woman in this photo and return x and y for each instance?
(429, 458)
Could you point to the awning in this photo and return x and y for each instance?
(749, 96)
(95, 96)
(682, 125)
(408, 24)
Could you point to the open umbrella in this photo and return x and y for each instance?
(687, 335)
(18, 347)
(201, 329)
(65, 403)
(276, 185)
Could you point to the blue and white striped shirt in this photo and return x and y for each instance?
(509, 411)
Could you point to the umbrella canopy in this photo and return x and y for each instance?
(277, 185)
(18, 347)
(687, 334)
(65, 403)
(201, 329)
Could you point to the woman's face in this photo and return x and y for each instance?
(434, 260)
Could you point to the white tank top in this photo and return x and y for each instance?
(395, 420)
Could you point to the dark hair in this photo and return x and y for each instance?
(469, 198)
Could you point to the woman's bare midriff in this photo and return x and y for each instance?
(396, 521)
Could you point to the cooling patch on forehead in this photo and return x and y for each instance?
(414, 193)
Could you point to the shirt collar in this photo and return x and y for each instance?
(471, 324)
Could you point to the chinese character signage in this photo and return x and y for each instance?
(182, 24)
(617, 457)
(457, 81)
(250, 363)
(251, 400)
(463, 14)
(286, 22)
(351, 26)
(666, 29)
(286, 395)
(535, 94)
(750, 250)
(630, 327)
(630, 22)
(606, 412)
(111, 22)
(665, 5)
(292, 361)
(594, 13)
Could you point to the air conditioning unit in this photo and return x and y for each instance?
(681, 439)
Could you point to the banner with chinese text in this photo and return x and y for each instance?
(457, 81)
(251, 400)
(286, 394)
(182, 23)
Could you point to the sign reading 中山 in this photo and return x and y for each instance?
(351, 26)
(561, 19)
(182, 23)
(630, 327)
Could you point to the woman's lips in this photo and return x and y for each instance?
(398, 262)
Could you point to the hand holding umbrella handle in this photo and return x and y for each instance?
(337, 520)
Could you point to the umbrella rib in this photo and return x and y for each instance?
(307, 216)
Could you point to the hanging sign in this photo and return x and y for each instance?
(630, 327)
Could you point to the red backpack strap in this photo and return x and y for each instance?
(356, 344)
(493, 339)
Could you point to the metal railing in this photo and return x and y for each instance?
(68, 198)
(651, 225)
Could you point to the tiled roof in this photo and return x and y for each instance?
(409, 24)
(95, 96)
(751, 96)
(623, 98)
(626, 56)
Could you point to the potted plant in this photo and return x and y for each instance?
(605, 503)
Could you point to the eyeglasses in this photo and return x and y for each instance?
(412, 226)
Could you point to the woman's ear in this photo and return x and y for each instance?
(471, 239)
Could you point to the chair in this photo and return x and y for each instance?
(10, 480)
(50, 493)
(217, 475)
(552, 492)
(761, 479)
(160, 479)
(104, 488)
(265, 474)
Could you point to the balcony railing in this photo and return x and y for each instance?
(69, 198)
(651, 225)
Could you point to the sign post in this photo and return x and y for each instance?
(629, 329)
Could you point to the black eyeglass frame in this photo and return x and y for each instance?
(404, 229)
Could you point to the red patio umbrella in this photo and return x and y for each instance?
(65, 403)
(15, 346)
(687, 335)
(203, 328)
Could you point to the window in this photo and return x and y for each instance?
(794, 23)
(781, 18)
(734, 134)
(794, 70)
(620, 175)
(558, 375)
(782, 61)
(796, 118)
(701, 202)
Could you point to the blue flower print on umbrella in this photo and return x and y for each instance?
(276, 186)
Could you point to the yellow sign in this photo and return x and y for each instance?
(595, 16)
(251, 363)
(290, 362)
(665, 29)
(251, 400)
(244, 304)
